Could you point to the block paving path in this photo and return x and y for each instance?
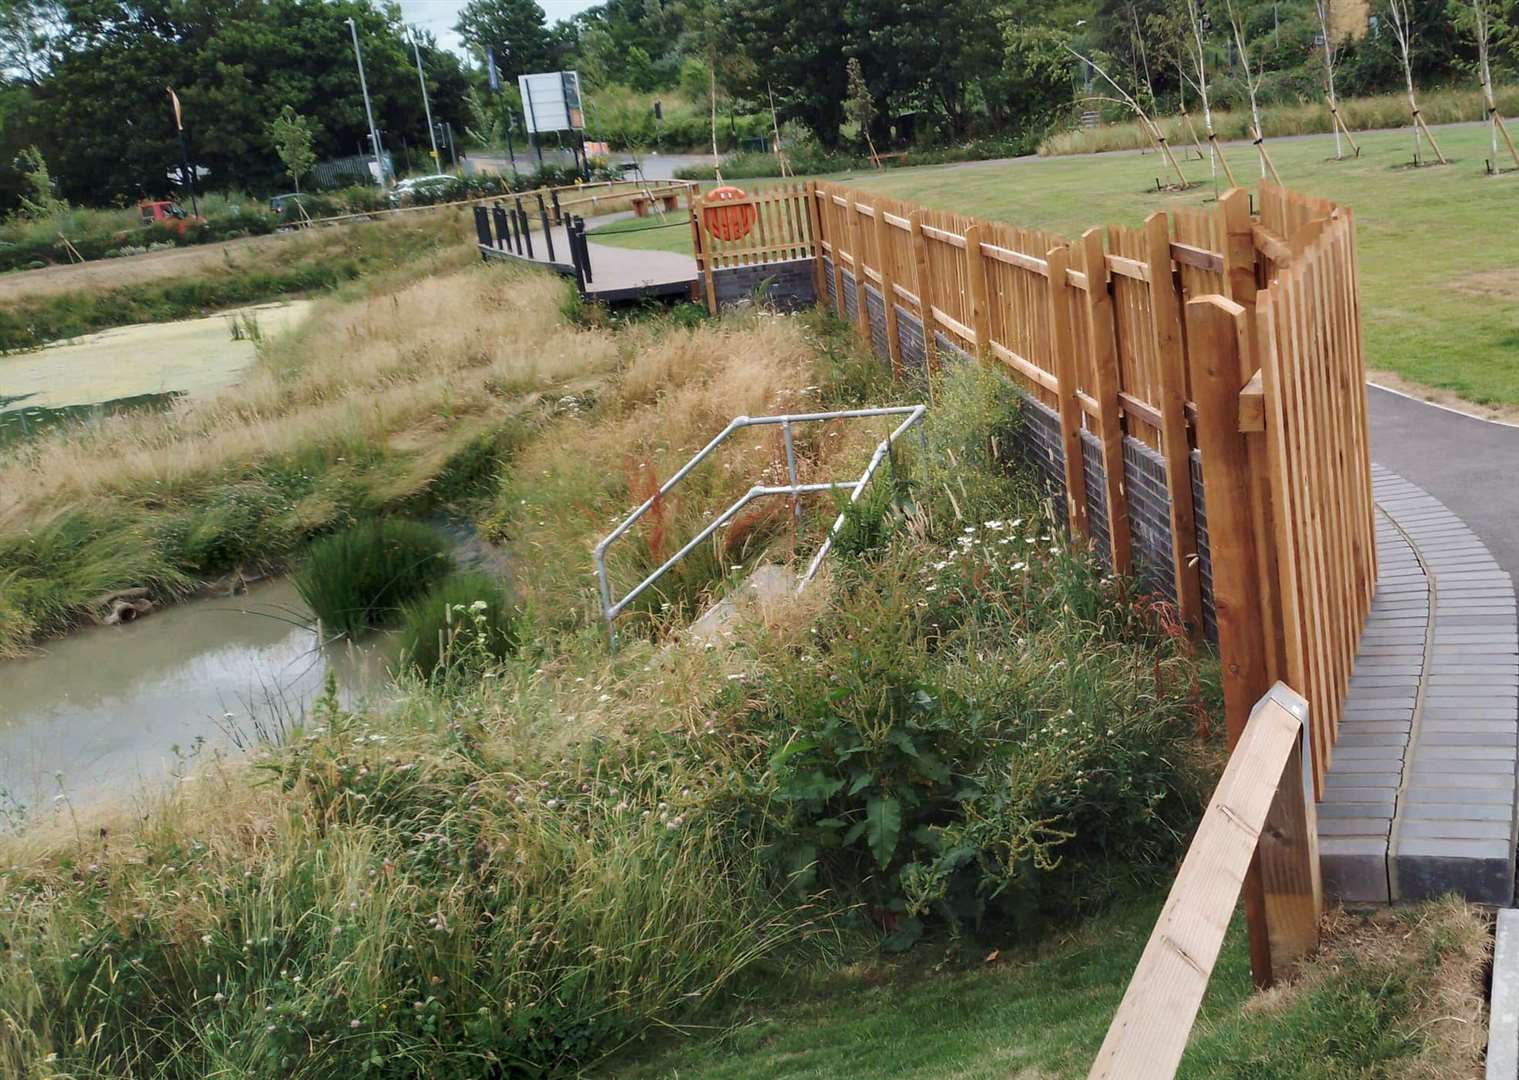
(1419, 799)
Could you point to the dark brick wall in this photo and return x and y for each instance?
(910, 340)
(875, 313)
(786, 286)
(850, 301)
(1097, 498)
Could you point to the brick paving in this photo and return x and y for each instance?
(1419, 799)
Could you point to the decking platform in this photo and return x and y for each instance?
(617, 274)
(1419, 799)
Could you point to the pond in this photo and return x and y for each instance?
(100, 713)
(141, 366)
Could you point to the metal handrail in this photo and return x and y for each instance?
(913, 414)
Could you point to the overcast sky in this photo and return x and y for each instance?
(439, 16)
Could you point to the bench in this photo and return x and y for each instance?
(643, 202)
(899, 156)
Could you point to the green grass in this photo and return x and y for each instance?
(1354, 1011)
(1439, 278)
(360, 577)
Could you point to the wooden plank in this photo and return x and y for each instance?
(1150, 1029)
(975, 282)
(814, 219)
(1015, 258)
(1104, 357)
(888, 294)
(1175, 447)
(1130, 268)
(954, 326)
(1063, 348)
(1252, 404)
(1029, 370)
(1201, 258)
(954, 240)
(925, 294)
(1216, 328)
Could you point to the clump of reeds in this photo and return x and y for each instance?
(359, 578)
(464, 623)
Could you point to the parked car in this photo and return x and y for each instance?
(167, 213)
(421, 190)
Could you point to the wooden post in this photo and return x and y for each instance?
(1149, 1031)
(1058, 261)
(925, 294)
(1175, 447)
(699, 249)
(815, 223)
(1104, 346)
(1239, 253)
(857, 259)
(1218, 337)
(975, 281)
(888, 290)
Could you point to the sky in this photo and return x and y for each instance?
(439, 16)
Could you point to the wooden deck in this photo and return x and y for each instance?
(618, 275)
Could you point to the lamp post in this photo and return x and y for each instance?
(374, 136)
(426, 108)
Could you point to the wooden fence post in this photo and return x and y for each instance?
(888, 290)
(815, 223)
(925, 294)
(699, 249)
(857, 257)
(975, 282)
(1282, 891)
(1104, 346)
(1175, 447)
(1057, 262)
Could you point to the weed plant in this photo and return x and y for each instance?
(464, 626)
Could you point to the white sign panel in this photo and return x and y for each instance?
(551, 101)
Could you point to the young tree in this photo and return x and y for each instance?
(292, 137)
(1196, 73)
(1331, 54)
(1253, 77)
(42, 202)
(1157, 136)
(1400, 19)
(860, 106)
(1488, 22)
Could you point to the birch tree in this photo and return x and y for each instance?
(1400, 19)
(1331, 54)
(1486, 20)
(1196, 74)
(1126, 99)
(1253, 77)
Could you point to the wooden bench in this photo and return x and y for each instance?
(643, 202)
(899, 156)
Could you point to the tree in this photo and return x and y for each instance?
(28, 30)
(1196, 73)
(1253, 77)
(860, 107)
(513, 29)
(797, 46)
(1331, 54)
(1489, 22)
(292, 137)
(42, 201)
(1401, 20)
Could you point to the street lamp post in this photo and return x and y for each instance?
(374, 136)
(426, 108)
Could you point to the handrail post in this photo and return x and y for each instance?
(522, 224)
(548, 230)
(796, 502)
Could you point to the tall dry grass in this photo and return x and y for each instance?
(1448, 106)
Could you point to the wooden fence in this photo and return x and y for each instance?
(1224, 343)
(1104, 332)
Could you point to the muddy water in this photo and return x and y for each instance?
(107, 709)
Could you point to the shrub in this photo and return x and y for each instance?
(465, 623)
(360, 577)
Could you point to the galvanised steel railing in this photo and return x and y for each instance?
(912, 413)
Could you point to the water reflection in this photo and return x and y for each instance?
(108, 708)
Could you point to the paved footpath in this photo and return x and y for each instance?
(1420, 796)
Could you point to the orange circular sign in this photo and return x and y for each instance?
(728, 222)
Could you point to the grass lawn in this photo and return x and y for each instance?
(1355, 1011)
(1440, 277)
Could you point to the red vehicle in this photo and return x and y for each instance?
(166, 213)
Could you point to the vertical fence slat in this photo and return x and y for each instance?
(1104, 366)
(1058, 261)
